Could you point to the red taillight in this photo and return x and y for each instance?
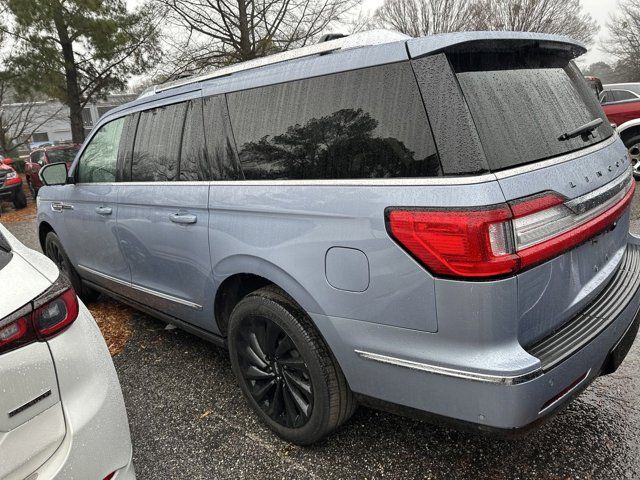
(454, 242)
(48, 315)
(56, 315)
(502, 239)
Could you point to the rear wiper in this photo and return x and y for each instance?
(584, 130)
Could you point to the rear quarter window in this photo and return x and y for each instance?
(368, 123)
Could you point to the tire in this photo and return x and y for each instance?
(285, 370)
(55, 251)
(633, 146)
(19, 200)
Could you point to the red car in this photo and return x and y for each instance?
(621, 103)
(43, 156)
(11, 184)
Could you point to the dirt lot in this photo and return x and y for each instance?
(189, 420)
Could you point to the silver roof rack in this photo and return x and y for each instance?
(361, 39)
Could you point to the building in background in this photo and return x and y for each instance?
(57, 128)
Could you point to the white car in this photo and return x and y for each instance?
(62, 414)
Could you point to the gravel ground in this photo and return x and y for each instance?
(189, 421)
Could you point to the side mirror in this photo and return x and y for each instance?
(54, 174)
(7, 161)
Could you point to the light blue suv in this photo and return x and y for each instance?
(432, 225)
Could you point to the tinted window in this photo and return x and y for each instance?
(622, 95)
(523, 103)
(367, 123)
(222, 158)
(156, 150)
(125, 151)
(98, 161)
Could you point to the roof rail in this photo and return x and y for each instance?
(361, 39)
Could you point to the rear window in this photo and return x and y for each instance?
(522, 103)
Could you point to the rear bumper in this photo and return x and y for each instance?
(398, 366)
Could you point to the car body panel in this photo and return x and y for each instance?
(166, 258)
(103, 254)
(62, 413)
(552, 293)
(313, 218)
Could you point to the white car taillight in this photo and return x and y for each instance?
(46, 316)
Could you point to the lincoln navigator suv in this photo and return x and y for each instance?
(437, 226)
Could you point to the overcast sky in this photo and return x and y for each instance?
(600, 10)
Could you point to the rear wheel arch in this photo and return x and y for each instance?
(629, 133)
(244, 274)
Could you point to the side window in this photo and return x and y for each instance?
(221, 154)
(38, 157)
(368, 123)
(156, 150)
(622, 95)
(607, 97)
(99, 158)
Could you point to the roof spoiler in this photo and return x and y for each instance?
(420, 47)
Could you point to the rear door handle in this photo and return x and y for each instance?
(183, 218)
(104, 210)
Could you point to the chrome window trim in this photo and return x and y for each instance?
(149, 291)
(400, 182)
(512, 172)
(393, 182)
(450, 372)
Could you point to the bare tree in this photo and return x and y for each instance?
(564, 17)
(624, 38)
(425, 17)
(206, 33)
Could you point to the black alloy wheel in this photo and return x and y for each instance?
(275, 372)
(285, 369)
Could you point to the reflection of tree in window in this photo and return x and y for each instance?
(340, 145)
(98, 162)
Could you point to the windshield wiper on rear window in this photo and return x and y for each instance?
(584, 130)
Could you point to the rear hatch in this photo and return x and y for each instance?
(529, 118)
(31, 420)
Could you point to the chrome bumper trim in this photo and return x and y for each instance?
(450, 372)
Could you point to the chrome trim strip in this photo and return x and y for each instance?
(393, 182)
(450, 372)
(155, 293)
(588, 207)
(557, 160)
(601, 195)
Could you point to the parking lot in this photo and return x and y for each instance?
(189, 420)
